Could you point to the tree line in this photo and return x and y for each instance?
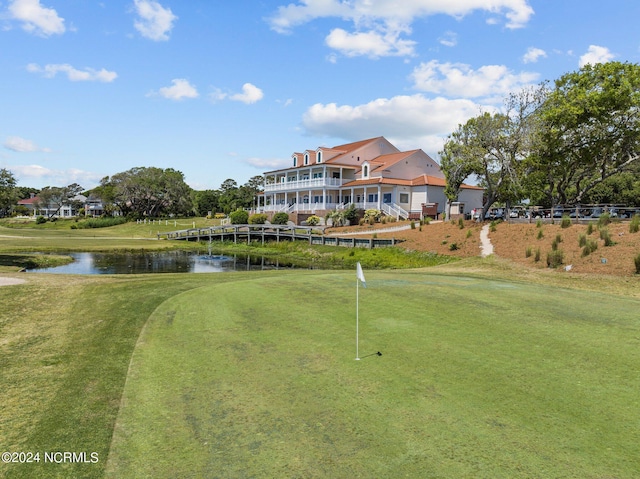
(137, 193)
(576, 141)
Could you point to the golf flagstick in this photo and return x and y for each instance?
(359, 277)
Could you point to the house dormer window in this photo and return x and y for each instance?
(365, 171)
(295, 161)
(319, 157)
(306, 159)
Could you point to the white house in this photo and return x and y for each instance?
(372, 174)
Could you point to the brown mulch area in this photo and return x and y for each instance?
(511, 240)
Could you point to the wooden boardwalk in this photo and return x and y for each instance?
(248, 233)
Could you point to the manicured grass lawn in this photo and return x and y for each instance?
(479, 378)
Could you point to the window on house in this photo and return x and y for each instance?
(319, 157)
(372, 198)
(305, 199)
(404, 197)
(295, 161)
(386, 198)
(306, 158)
(317, 199)
(365, 171)
(346, 199)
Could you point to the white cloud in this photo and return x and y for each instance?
(412, 121)
(250, 94)
(596, 54)
(460, 80)
(35, 18)
(268, 163)
(378, 23)
(449, 39)
(155, 22)
(73, 74)
(38, 176)
(22, 145)
(533, 54)
(180, 89)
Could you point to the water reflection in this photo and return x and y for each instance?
(160, 262)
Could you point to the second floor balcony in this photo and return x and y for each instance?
(311, 183)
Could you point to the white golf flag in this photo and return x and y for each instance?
(360, 274)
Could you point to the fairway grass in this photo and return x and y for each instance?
(479, 378)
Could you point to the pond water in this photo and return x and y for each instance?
(160, 262)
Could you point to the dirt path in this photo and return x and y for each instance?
(486, 248)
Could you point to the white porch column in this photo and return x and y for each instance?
(379, 197)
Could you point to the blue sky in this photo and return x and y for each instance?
(230, 89)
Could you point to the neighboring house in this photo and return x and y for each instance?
(372, 174)
(65, 211)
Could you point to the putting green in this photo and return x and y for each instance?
(477, 378)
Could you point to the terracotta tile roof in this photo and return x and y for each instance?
(29, 201)
(377, 181)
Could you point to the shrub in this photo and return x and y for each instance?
(313, 220)
(469, 233)
(589, 247)
(566, 222)
(101, 222)
(554, 245)
(460, 223)
(280, 218)
(258, 219)
(634, 226)
(40, 220)
(492, 226)
(453, 246)
(555, 258)
(351, 214)
(372, 216)
(528, 252)
(413, 225)
(604, 220)
(540, 234)
(590, 228)
(536, 258)
(239, 217)
(606, 237)
(636, 260)
(582, 240)
(219, 216)
(538, 223)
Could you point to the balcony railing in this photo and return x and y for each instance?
(305, 184)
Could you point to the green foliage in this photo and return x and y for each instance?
(257, 219)
(239, 217)
(605, 235)
(413, 225)
(636, 260)
(540, 234)
(280, 218)
(100, 222)
(453, 246)
(313, 220)
(528, 252)
(537, 256)
(634, 225)
(372, 216)
(590, 246)
(8, 192)
(460, 223)
(582, 240)
(590, 228)
(565, 222)
(41, 220)
(604, 220)
(555, 258)
(469, 233)
(589, 115)
(539, 223)
(493, 226)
